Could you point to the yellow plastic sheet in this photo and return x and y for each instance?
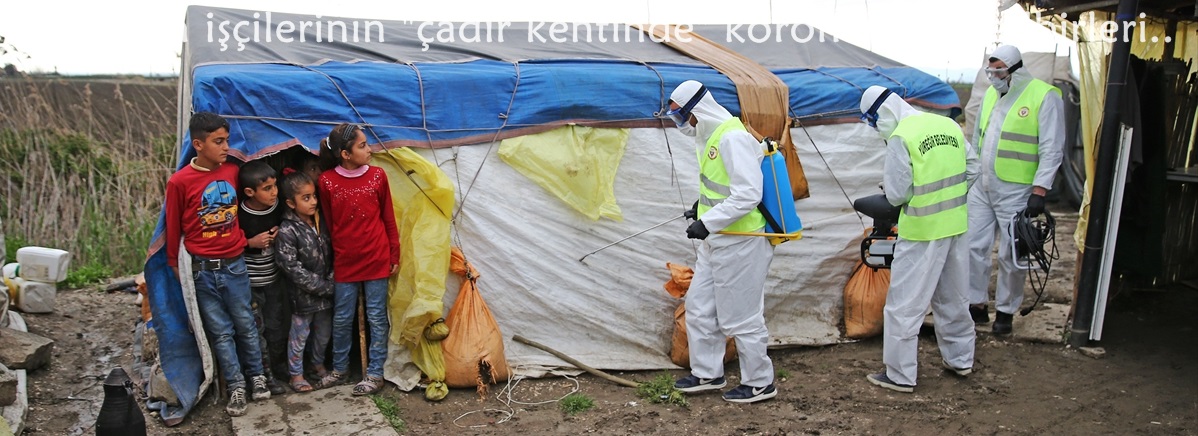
(423, 199)
(577, 164)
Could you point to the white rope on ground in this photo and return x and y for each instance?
(505, 396)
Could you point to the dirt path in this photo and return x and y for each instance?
(1147, 383)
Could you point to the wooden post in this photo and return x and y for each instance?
(576, 363)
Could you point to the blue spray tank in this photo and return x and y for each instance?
(777, 203)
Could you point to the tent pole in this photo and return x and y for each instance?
(1100, 198)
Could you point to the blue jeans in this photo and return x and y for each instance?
(345, 302)
(223, 297)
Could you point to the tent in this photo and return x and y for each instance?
(453, 92)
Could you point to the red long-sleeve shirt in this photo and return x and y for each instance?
(361, 224)
(201, 208)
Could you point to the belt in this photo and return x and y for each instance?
(200, 264)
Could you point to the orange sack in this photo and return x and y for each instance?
(680, 282)
(864, 299)
(474, 348)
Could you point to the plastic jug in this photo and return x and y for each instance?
(33, 297)
(42, 264)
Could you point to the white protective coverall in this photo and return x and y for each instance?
(727, 293)
(993, 201)
(923, 272)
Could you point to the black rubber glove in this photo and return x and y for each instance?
(697, 230)
(1035, 205)
(693, 212)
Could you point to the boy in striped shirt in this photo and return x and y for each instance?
(260, 216)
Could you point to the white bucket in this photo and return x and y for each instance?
(33, 297)
(43, 264)
(11, 270)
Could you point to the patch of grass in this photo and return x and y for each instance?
(781, 373)
(86, 275)
(661, 390)
(576, 403)
(12, 243)
(391, 411)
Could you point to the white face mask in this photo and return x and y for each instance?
(1001, 85)
(687, 129)
(886, 126)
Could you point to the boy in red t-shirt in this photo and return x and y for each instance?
(201, 209)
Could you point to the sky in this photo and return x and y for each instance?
(946, 38)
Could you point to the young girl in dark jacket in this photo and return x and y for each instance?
(304, 254)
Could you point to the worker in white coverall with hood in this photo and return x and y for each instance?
(929, 167)
(727, 293)
(1021, 131)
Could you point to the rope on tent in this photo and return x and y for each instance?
(895, 81)
(829, 167)
(407, 172)
(505, 116)
(663, 106)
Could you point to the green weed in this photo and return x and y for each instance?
(661, 390)
(781, 373)
(390, 410)
(86, 275)
(576, 403)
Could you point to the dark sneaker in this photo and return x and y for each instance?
(276, 387)
(979, 313)
(749, 394)
(882, 380)
(236, 405)
(1002, 323)
(691, 383)
(260, 391)
(959, 371)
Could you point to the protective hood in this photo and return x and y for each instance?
(709, 113)
(1011, 56)
(892, 110)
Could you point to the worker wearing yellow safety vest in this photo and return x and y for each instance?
(1021, 133)
(727, 293)
(929, 169)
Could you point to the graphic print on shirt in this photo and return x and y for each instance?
(218, 208)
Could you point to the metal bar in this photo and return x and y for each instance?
(630, 237)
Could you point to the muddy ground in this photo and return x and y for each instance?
(1147, 382)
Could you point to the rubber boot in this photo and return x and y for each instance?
(1002, 323)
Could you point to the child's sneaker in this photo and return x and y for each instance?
(691, 383)
(261, 391)
(236, 405)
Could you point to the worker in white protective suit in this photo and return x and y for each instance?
(929, 167)
(727, 293)
(1021, 132)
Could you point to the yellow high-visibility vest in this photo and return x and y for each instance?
(1018, 155)
(937, 209)
(714, 184)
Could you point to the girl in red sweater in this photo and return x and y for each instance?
(356, 200)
